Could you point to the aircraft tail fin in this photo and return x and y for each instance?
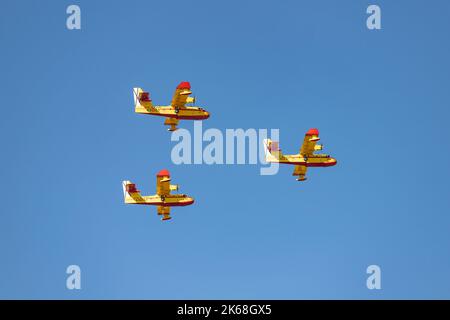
(130, 193)
(271, 150)
(142, 99)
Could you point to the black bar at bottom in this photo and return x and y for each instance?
(230, 309)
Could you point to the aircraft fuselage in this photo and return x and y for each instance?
(170, 200)
(316, 160)
(187, 113)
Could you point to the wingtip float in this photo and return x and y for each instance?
(163, 198)
(176, 111)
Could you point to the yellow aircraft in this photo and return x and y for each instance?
(306, 158)
(176, 111)
(163, 198)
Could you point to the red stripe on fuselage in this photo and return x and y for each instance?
(167, 204)
(202, 117)
(177, 204)
(309, 164)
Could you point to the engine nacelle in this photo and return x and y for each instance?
(318, 147)
(190, 100)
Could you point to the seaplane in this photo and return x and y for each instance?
(176, 111)
(304, 159)
(163, 198)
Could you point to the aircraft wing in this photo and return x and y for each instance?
(300, 171)
(165, 212)
(172, 122)
(181, 96)
(309, 143)
(163, 187)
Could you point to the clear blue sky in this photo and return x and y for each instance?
(69, 136)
